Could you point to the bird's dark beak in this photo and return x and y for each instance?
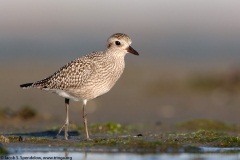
(131, 50)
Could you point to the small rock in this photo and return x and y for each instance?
(20, 139)
(139, 135)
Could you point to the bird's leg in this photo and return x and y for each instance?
(84, 116)
(66, 121)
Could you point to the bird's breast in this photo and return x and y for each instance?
(100, 80)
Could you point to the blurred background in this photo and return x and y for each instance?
(189, 63)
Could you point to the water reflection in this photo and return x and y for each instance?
(122, 156)
(44, 153)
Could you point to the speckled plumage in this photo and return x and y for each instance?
(92, 75)
(84, 77)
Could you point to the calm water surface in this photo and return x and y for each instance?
(60, 154)
(121, 156)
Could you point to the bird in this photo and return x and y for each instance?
(88, 77)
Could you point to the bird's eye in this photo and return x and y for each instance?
(117, 43)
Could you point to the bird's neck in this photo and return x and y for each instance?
(117, 54)
(116, 58)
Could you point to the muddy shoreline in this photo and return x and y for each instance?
(116, 138)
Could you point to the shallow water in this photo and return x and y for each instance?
(120, 156)
(207, 153)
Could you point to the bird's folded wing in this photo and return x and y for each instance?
(72, 75)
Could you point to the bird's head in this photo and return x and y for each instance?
(121, 43)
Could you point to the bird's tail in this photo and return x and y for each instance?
(26, 85)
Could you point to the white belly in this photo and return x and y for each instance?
(66, 95)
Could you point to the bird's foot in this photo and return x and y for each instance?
(65, 126)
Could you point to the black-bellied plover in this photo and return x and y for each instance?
(88, 77)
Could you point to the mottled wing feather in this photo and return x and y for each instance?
(72, 75)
